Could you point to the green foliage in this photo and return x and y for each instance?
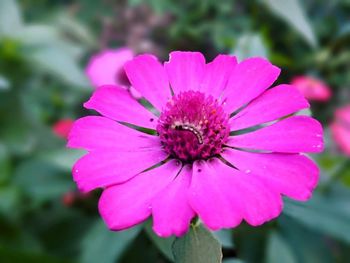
(44, 47)
(199, 245)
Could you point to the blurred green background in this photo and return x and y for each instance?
(44, 48)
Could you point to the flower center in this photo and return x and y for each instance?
(193, 126)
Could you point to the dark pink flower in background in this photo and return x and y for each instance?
(202, 159)
(312, 88)
(107, 67)
(62, 127)
(341, 129)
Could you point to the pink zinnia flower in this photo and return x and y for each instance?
(62, 128)
(107, 67)
(312, 88)
(341, 128)
(196, 163)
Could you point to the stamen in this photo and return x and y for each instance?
(193, 126)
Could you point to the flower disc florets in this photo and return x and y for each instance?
(193, 126)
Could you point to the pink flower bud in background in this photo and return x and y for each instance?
(62, 128)
(107, 68)
(312, 88)
(340, 128)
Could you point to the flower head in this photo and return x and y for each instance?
(221, 148)
(312, 88)
(341, 128)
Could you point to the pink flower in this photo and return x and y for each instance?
(107, 67)
(341, 128)
(312, 88)
(62, 127)
(196, 163)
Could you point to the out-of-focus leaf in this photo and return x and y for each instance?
(41, 180)
(10, 17)
(9, 199)
(75, 29)
(292, 12)
(198, 245)
(104, 246)
(57, 62)
(306, 245)
(248, 239)
(225, 237)
(163, 244)
(15, 255)
(250, 45)
(323, 215)
(278, 250)
(4, 83)
(36, 34)
(63, 158)
(4, 164)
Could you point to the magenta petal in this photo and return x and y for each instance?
(147, 75)
(222, 196)
(292, 135)
(185, 70)
(248, 80)
(293, 175)
(217, 74)
(171, 211)
(97, 133)
(104, 168)
(117, 104)
(122, 206)
(271, 105)
(208, 196)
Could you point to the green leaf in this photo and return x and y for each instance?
(225, 237)
(198, 245)
(104, 246)
(4, 83)
(10, 17)
(56, 61)
(4, 164)
(250, 45)
(163, 244)
(41, 180)
(328, 216)
(62, 158)
(278, 250)
(306, 245)
(292, 12)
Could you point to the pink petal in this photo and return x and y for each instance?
(117, 104)
(341, 135)
(104, 168)
(248, 80)
(222, 196)
(171, 211)
(292, 135)
(128, 204)
(217, 74)
(185, 70)
(271, 105)
(148, 76)
(97, 133)
(208, 196)
(293, 175)
(104, 68)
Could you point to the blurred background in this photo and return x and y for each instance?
(45, 49)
